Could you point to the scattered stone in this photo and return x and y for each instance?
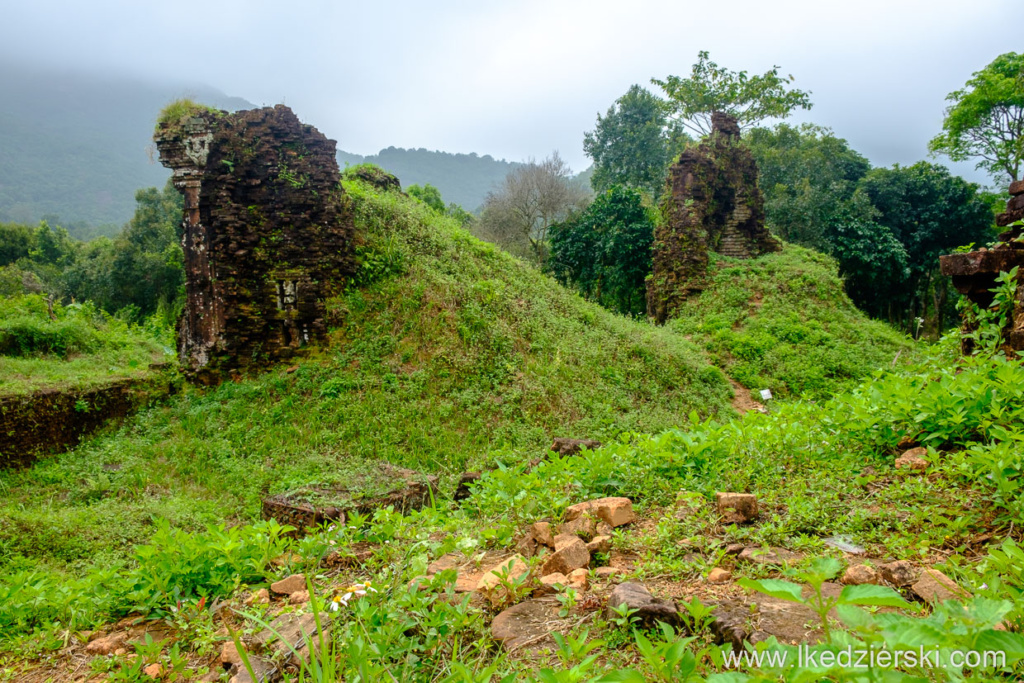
(565, 447)
(608, 572)
(549, 584)
(229, 654)
(292, 369)
(289, 634)
(736, 508)
(859, 575)
(580, 579)
(491, 586)
(584, 526)
(265, 672)
(260, 597)
(616, 511)
(734, 548)
(541, 531)
(899, 573)
(528, 625)
(845, 544)
(719, 575)
(572, 555)
(773, 557)
(600, 544)
(298, 598)
(649, 610)
(154, 670)
(107, 644)
(936, 587)
(914, 459)
(468, 572)
(527, 546)
(465, 486)
(287, 586)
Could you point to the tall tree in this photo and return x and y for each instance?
(532, 198)
(630, 144)
(711, 88)
(986, 119)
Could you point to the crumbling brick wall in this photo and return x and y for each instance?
(267, 236)
(974, 273)
(712, 204)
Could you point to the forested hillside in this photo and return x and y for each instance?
(74, 146)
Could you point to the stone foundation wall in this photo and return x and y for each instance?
(267, 235)
(712, 204)
(55, 420)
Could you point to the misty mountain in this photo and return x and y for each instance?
(74, 145)
(462, 178)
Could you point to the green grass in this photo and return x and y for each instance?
(783, 322)
(80, 348)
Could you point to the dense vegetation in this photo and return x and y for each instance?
(136, 274)
(45, 345)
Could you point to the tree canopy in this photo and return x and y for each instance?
(711, 88)
(630, 144)
(985, 119)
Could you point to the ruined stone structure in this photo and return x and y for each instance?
(713, 204)
(267, 235)
(975, 273)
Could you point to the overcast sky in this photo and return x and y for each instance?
(520, 79)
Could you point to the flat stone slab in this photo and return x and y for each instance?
(528, 626)
(469, 572)
(790, 622)
(379, 486)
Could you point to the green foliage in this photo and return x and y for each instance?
(985, 119)
(630, 145)
(930, 213)
(711, 88)
(605, 251)
(986, 327)
(177, 566)
(807, 177)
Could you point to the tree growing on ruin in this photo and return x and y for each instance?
(985, 119)
(533, 197)
(711, 88)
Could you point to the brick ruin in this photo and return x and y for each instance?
(267, 235)
(712, 204)
(975, 273)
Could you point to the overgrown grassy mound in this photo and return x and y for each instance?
(783, 322)
(77, 346)
(448, 355)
